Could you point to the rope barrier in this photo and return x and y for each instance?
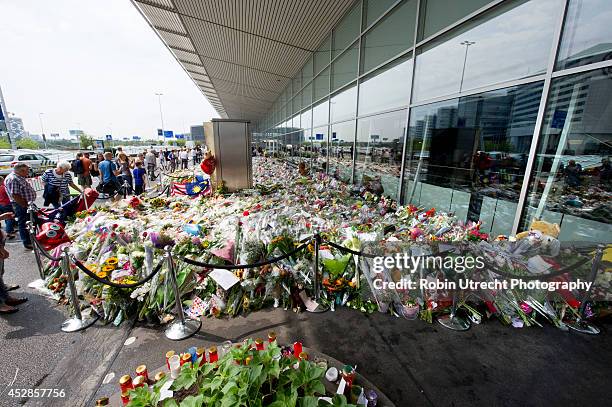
(44, 252)
(557, 273)
(244, 266)
(116, 285)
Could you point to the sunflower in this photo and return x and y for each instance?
(107, 269)
(112, 261)
(102, 274)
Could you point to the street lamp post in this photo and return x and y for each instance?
(161, 116)
(467, 46)
(42, 129)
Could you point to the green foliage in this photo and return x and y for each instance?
(4, 143)
(86, 141)
(27, 143)
(267, 380)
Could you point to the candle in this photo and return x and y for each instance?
(169, 354)
(201, 353)
(142, 371)
(212, 354)
(259, 344)
(271, 336)
(297, 349)
(125, 383)
(175, 366)
(185, 358)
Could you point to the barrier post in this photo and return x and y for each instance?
(39, 264)
(125, 189)
(75, 323)
(580, 324)
(315, 280)
(316, 292)
(452, 321)
(85, 199)
(31, 210)
(179, 329)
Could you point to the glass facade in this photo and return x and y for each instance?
(462, 118)
(571, 182)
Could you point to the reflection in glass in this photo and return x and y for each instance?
(344, 69)
(307, 71)
(380, 140)
(295, 122)
(306, 119)
(344, 105)
(347, 31)
(386, 88)
(587, 33)
(391, 36)
(572, 175)
(314, 148)
(341, 148)
(297, 102)
(469, 155)
(322, 55)
(307, 95)
(321, 85)
(320, 114)
(374, 9)
(439, 14)
(512, 41)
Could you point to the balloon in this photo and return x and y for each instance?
(192, 229)
(208, 165)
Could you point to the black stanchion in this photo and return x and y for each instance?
(76, 323)
(452, 321)
(580, 324)
(181, 329)
(315, 282)
(32, 233)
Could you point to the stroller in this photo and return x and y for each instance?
(66, 210)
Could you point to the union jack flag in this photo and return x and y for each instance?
(199, 186)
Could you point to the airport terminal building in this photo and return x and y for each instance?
(499, 111)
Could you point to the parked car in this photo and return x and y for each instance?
(37, 162)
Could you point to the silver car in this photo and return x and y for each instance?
(38, 163)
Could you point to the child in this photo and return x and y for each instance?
(139, 178)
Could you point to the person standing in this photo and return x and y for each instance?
(108, 175)
(84, 179)
(57, 182)
(151, 163)
(184, 156)
(6, 207)
(123, 162)
(21, 193)
(7, 302)
(139, 178)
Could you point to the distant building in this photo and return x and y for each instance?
(197, 134)
(15, 125)
(76, 133)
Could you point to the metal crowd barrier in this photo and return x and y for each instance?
(183, 328)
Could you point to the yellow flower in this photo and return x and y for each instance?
(108, 269)
(112, 261)
(92, 267)
(102, 274)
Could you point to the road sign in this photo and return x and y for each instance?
(168, 133)
(109, 137)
